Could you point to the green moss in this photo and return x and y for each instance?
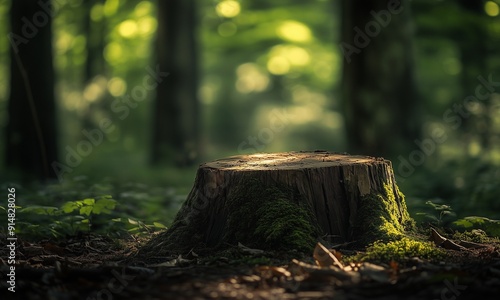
(475, 235)
(382, 217)
(272, 216)
(399, 250)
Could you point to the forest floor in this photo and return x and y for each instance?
(94, 267)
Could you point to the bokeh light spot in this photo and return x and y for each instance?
(297, 56)
(144, 8)
(228, 9)
(64, 42)
(491, 9)
(227, 29)
(474, 148)
(294, 31)
(117, 86)
(113, 53)
(127, 28)
(111, 7)
(251, 79)
(278, 65)
(95, 90)
(97, 12)
(147, 25)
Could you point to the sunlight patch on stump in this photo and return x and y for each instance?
(286, 201)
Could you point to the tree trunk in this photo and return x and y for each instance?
(176, 109)
(285, 201)
(95, 32)
(95, 65)
(472, 40)
(31, 138)
(378, 88)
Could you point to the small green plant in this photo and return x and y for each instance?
(439, 212)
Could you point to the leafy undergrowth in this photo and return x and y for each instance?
(77, 206)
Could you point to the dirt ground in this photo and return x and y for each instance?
(94, 267)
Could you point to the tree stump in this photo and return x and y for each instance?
(285, 201)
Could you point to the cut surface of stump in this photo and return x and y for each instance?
(285, 201)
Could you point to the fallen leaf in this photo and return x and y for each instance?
(325, 258)
(393, 271)
(443, 242)
(436, 237)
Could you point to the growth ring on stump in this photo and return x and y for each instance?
(287, 201)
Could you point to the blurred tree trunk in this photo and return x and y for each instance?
(94, 30)
(176, 109)
(378, 88)
(471, 38)
(31, 138)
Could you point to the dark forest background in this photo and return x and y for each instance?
(100, 93)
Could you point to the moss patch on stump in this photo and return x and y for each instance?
(380, 218)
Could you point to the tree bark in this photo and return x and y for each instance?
(31, 138)
(285, 201)
(176, 109)
(378, 87)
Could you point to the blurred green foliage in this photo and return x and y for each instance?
(134, 208)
